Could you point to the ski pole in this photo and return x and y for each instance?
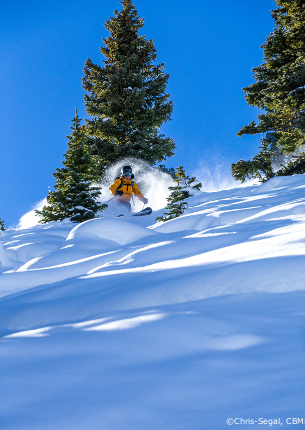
(111, 199)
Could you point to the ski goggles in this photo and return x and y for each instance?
(127, 173)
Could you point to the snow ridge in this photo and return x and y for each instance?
(137, 324)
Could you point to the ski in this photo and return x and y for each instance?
(146, 211)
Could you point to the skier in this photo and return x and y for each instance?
(124, 187)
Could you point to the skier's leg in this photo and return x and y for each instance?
(126, 206)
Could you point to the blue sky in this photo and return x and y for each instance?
(209, 49)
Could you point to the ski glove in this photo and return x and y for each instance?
(119, 193)
(144, 200)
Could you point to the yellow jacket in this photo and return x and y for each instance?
(127, 189)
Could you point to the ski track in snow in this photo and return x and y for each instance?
(136, 324)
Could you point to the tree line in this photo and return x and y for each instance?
(127, 102)
(279, 91)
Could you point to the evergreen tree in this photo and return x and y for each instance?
(73, 197)
(279, 90)
(185, 180)
(259, 167)
(126, 98)
(176, 200)
(2, 225)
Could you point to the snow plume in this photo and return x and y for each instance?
(30, 219)
(216, 176)
(280, 160)
(152, 182)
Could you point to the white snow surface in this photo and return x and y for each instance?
(129, 324)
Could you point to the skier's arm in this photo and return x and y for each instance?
(138, 193)
(114, 186)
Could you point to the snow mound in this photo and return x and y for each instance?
(4, 260)
(119, 231)
(282, 182)
(160, 324)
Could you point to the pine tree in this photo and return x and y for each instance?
(73, 197)
(2, 225)
(126, 98)
(279, 90)
(185, 180)
(176, 200)
(259, 167)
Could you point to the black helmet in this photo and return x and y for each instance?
(125, 170)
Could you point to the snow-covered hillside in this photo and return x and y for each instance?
(129, 324)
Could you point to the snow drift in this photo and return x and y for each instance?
(136, 324)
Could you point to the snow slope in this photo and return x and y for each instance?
(130, 324)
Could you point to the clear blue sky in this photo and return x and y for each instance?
(209, 49)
